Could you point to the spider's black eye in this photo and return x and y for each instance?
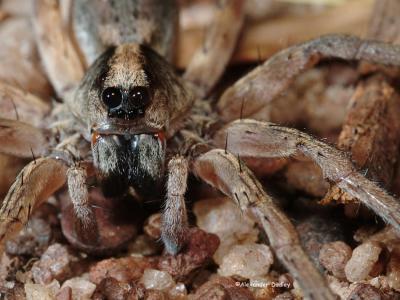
(139, 96)
(112, 97)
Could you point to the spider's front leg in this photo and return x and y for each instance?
(249, 138)
(41, 178)
(85, 224)
(174, 218)
(34, 184)
(225, 172)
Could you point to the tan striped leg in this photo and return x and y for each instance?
(249, 138)
(225, 172)
(34, 184)
(262, 85)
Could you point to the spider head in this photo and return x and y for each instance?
(131, 96)
(132, 89)
(127, 89)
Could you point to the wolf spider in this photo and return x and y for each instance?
(131, 113)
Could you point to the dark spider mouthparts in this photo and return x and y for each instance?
(130, 167)
(126, 104)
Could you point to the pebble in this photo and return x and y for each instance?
(155, 295)
(178, 292)
(222, 288)
(81, 288)
(157, 280)
(124, 269)
(316, 227)
(393, 269)
(55, 263)
(387, 236)
(197, 254)
(111, 288)
(64, 294)
(362, 261)
(32, 240)
(334, 256)
(380, 282)
(39, 291)
(340, 288)
(363, 291)
(152, 226)
(35, 291)
(223, 218)
(247, 261)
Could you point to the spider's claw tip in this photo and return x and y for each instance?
(172, 248)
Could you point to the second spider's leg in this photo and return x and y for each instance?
(34, 184)
(60, 58)
(250, 138)
(210, 60)
(19, 105)
(266, 82)
(224, 171)
(371, 128)
(174, 219)
(85, 224)
(22, 140)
